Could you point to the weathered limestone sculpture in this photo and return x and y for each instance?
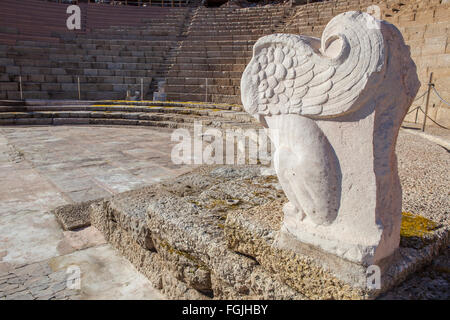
(334, 107)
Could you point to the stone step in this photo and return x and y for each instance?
(217, 98)
(201, 89)
(164, 119)
(48, 82)
(121, 105)
(218, 43)
(92, 43)
(89, 95)
(140, 29)
(58, 87)
(125, 37)
(150, 107)
(89, 121)
(113, 121)
(121, 42)
(216, 54)
(71, 79)
(205, 74)
(225, 46)
(110, 55)
(236, 16)
(208, 67)
(233, 26)
(13, 39)
(181, 59)
(16, 70)
(73, 64)
(97, 114)
(233, 37)
(182, 105)
(202, 81)
(75, 48)
(11, 103)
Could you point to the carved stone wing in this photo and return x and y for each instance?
(312, 77)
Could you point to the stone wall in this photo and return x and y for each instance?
(426, 28)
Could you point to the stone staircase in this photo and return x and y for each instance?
(216, 50)
(170, 57)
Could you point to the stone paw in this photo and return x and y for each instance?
(291, 211)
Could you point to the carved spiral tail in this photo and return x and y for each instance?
(306, 76)
(360, 58)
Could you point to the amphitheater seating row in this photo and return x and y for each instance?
(116, 48)
(200, 52)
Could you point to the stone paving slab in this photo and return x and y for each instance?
(42, 168)
(102, 274)
(106, 275)
(35, 281)
(28, 235)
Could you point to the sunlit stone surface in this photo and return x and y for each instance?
(333, 107)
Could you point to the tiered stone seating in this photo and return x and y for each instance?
(31, 20)
(220, 40)
(216, 50)
(311, 19)
(117, 47)
(200, 53)
(141, 113)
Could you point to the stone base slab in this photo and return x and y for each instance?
(315, 273)
(214, 233)
(74, 216)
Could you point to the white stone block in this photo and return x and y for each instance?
(333, 107)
